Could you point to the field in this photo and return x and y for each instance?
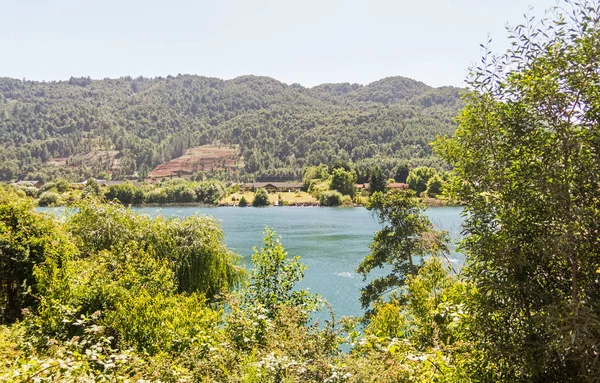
(206, 158)
(284, 198)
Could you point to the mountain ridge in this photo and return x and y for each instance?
(149, 121)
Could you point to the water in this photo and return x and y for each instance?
(331, 241)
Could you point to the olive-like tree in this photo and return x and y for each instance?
(527, 160)
(406, 238)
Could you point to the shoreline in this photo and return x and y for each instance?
(429, 202)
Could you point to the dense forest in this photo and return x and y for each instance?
(125, 127)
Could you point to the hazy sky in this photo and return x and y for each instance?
(301, 41)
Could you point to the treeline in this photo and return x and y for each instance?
(59, 193)
(128, 126)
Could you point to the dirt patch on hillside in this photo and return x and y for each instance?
(206, 158)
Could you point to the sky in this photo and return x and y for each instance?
(309, 42)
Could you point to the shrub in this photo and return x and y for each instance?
(126, 194)
(331, 198)
(261, 198)
(27, 240)
(210, 192)
(49, 198)
(243, 202)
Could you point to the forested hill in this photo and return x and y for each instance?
(82, 127)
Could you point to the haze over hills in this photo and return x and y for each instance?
(82, 127)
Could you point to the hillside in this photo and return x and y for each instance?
(127, 127)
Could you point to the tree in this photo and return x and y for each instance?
(401, 173)
(193, 246)
(434, 186)
(417, 178)
(377, 181)
(261, 198)
(28, 240)
(92, 188)
(331, 198)
(126, 193)
(343, 181)
(274, 276)
(527, 165)
(406, 238)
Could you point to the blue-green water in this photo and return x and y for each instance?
(331, 241)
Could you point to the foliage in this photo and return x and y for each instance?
(343, 181)
(92, 188)
(401, 173)
(210, 192)
(124, 126)
(126, 193)
(273, 278)
(261, 198)
(49, 198)
(377, 181)
(243, 202)
(331, 198)
(527, 165)
(405, 239)
(435, 186)
(28, 240)
(417, 178)
(193, 246)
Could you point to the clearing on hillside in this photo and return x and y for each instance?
(205, 158)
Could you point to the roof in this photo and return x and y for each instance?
(397, 185)
(28, 182)
(278, 185)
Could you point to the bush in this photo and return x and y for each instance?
(49, 198)
(28, 240)
(126, 193)
(434, 186)
(156, 196)
(210, 192)
(243, 202)
(331, 198)
(261, 198)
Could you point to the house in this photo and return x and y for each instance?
(397, 186)
(272, 187)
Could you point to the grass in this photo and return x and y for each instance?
(286, 198)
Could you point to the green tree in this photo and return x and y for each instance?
(193, 246)
(377, 181)
(417, 178)
(435, 186)
(243, 202)
(406, 238)
(331, 198)
(92, 188)
(274, 276)
(527, 165)
(343, 181)
(28, 240)
(401, 173)
(127, 194)
(261, 198)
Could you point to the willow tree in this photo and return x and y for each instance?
(194, 246)
(527, 160)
